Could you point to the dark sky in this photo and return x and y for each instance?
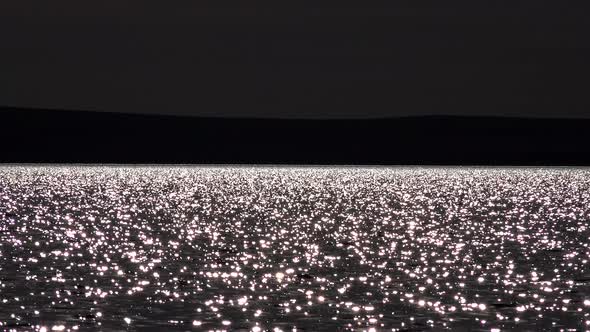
(245, 58)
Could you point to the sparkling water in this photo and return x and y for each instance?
(294, 248)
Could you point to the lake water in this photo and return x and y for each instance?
(286, 248)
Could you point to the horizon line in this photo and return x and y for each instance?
(329, 118)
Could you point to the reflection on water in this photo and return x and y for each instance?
(285, 249)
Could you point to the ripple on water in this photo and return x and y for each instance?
(284, 248)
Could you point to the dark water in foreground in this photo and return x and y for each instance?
(311, 249)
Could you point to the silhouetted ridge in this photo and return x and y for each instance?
(45, 136)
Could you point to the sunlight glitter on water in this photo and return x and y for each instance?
(285, 248)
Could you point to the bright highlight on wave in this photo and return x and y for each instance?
(290, 249)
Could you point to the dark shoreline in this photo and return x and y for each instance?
(54, 136)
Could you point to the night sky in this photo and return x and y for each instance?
(217, 58)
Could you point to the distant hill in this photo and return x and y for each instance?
(54, 136)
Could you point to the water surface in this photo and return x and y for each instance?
(306, 249)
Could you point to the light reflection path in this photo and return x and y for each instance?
(279, 248)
